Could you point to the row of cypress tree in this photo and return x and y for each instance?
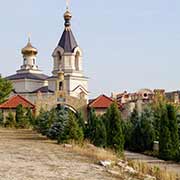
(155, 123)
(106, 130)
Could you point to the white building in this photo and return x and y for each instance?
(67, 58)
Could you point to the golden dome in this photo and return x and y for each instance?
(67, 15)
(29, 49)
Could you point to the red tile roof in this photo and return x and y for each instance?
(101, 102)
(14, 101)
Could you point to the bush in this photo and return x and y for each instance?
(21, 118)
(10, 121)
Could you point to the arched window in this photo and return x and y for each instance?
(25, 61)
(60, 86)
(59, 59)
(77, 59)
(33, 61)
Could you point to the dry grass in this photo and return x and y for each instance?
(92, 152)
(97, 154)
(160, 174)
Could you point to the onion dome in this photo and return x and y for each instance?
(67, 18)
(29, 49)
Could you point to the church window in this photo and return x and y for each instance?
(59, 57)
(77, 57)
(25, 61)
(34, 61)
(60, 86)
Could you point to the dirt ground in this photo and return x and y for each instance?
(25, 155)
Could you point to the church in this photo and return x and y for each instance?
(66, 86)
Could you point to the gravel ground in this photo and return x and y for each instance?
(25, 155)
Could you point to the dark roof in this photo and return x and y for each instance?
(27, 76)
(43, 90)
(67, 41)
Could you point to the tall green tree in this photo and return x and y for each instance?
(100, 136)
(72, 130)
(91, 126)
(81, 121)
(30, 117)
(21, 118)
(173, 128)
(115, 137)
(165, 142)
(1, 118)
(5, 89)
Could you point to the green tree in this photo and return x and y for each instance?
(127, 131)
(10, 121)
(72, 130)
(58, 120)
(91, 126)
(5, 89)
(100, 136)
(165, 143)
(81, 121)
(173, 128)
(42, 122)
(115, 137)
(30, 117)
(1, 118)
(21, 118)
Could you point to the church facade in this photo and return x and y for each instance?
(67, 86)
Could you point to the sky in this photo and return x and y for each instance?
(127, 44)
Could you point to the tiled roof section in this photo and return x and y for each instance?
(27, 76)
(14, 101)
(43, 90)
(67, 41)
(101, 102)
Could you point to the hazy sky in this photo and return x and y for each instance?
(127, 44)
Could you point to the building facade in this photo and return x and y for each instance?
(67, 85)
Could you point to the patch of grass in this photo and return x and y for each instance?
(90, 151)
(155, 171)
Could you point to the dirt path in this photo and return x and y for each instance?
(25, 155)
(170, 166)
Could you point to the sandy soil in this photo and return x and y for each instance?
(25, 155)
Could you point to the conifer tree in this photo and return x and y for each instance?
(100, 136)
(1, 118)
(58, 120)
(72, 130)
(30, 117)
(165, 143)
(173, 128)
(90, 130)
(5, 89)
(10, 121)
(81, 121)
(115, 137)
(21, 119)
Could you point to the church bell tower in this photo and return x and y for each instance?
(67, 58)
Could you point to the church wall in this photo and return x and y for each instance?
(26, 85)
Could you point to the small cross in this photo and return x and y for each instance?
(29, 37)
(67, 4)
